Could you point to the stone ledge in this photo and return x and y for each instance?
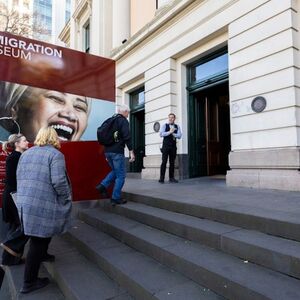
(278, 179)
(265, 158)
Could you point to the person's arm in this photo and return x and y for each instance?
(125, 132)
(59, 178)
(163, 131)
(126, 137)
(178, 134)
(132, 156)
(11, 171)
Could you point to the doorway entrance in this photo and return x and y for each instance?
(137, 124)
(209, 131)
(137, 129)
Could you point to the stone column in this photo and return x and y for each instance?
(160, 99)
(101, 28)
(265, 144)
(120, 22)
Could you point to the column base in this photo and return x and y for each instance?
(265, 168)
(288, 180)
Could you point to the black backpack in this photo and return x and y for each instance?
(107, 133)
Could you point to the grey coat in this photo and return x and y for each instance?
(44, 194)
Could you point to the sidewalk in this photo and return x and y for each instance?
(213, 192)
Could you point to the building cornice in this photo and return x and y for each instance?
(64, 35)
(82, 6)
(163, 15)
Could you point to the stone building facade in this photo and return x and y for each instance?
(228, 69)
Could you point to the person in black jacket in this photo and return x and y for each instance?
(170, 132)
(115, 157)
(18, 143)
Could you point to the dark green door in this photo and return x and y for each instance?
(137, 125)
(197, 138)
(137, 128)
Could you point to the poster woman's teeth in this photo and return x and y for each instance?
(64, 132)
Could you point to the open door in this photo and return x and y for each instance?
(217, 132)
(137, 125)
(211, 131)
(137, 128)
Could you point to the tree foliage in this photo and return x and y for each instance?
(23, 24)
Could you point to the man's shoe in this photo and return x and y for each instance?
(38, 284)
(173, 180)
(118, 201)
(49, 258)
(102, 190)
(161, 181)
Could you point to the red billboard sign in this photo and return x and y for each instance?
(44, 84)
(38, 64)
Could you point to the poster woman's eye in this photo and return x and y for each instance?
(81, 107)
(56, 99)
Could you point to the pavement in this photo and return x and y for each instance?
(213, 192)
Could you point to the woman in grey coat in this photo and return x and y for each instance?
(43, 200)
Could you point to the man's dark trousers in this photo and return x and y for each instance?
(171, 153)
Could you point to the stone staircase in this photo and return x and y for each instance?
(155, 248)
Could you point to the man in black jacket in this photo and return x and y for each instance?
(170, 132)
(115, 157)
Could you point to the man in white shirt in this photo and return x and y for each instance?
(170, 132)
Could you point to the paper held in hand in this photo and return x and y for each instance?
(14, 197)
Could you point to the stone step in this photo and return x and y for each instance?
(188, 227)
(13, 281)
(142, 276)
(267, 220)
(226, 275)
(276, 253)
(78, 278)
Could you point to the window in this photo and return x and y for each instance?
(87, 38)
(68, 11)
(210, 68)
(42, 12)
(137, 99)
(208, 71)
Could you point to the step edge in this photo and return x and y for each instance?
(220, 275)
(217, 238)
(93, 254)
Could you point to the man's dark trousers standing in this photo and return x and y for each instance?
(171, 153)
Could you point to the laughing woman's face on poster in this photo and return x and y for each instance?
(66, 113)
(33, 108)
